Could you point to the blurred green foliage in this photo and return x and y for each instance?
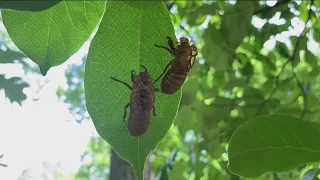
(239, 77)
(96, 161)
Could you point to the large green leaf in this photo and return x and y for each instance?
(51, 36)
(272, 143)
(124, 41)
(28, 5)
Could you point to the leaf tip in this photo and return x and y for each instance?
(44, 70)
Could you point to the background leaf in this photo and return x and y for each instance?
(272, 143)
(28, 5)
(13, 88)
(311, 174)
(51, 36)
(236, 22)
(124, 41)
(9, 56)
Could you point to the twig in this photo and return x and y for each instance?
(3, 165)
(274, 88)
(300, 85)
(184, 29)
(304, 95)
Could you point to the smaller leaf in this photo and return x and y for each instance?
(316, 34)
(9, 56)
(28, 5)
(177, 171)
(303, 11)
(243, 58)
(213, 43)
(247, 70)
(163, 174)
(186, 120)
(311, 58)
(249, 47)
(236, 22)
(13, 88)
(282, 49)
(272, 143)
(311, 174)
(287, 14)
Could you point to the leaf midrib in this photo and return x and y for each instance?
(275, 147)
(139, 47)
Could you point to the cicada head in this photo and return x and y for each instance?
(184, 40)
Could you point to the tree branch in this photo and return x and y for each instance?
(185, 30)
(304, 94)
(269, 8)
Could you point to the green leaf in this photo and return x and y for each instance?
(124, 41)
(28, 5)
(177, 171)
(51, 36)
(311, 174)
(272, 143)
(186, 119)
(311, 58)
(287, 14)
(221, 60)
(247, 70)
(13, 88)
(9, 56)
(243, 58)
(303, 10)
(199, 14)
(282, 49)
(163, 174)
(190, 88)
(302, 45)
(236, 22)
(316, 34)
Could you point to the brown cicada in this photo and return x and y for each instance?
(185, 55)
(142, 101)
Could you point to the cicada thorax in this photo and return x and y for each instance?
(142, 95)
